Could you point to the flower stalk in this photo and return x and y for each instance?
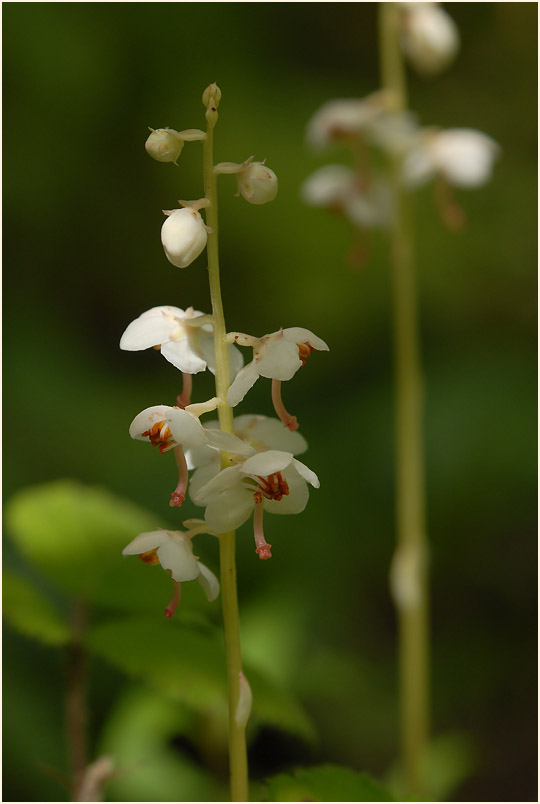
(229, 598)
(409, 570)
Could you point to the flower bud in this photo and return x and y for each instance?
(183, 236)
(257, 183)
(164, 144)
(211, 95)
(430, 36)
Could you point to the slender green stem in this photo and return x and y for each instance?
(229, 598)
(410, 564)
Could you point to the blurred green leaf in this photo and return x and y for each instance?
(29, 611)
(74, 533)
(138, 735)
(180, 662)
(326, 783)
(448, 761)
(189, 666)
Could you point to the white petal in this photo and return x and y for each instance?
(306, 473)
(145, 542)
(266, 433)
(230, 509)
(208, 581)
(243, 381)
(181, 355)
(147, 418)
(175, 555)
(199, 456)
(301, 335)
(202, 476)
(226, 479)
(147, 331)
(205, 347)
(186, 429)
(266, 463)
(278, 359)
(229, 442)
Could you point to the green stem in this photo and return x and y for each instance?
(410, 578)
(229, 598)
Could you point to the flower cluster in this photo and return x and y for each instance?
(379, 137)
(235, 475)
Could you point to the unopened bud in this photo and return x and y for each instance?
(211, 96)
(245, 699)
(183, 236)
(164, 144)
(257, 183)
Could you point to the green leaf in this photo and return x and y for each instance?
(325, 783)
(27, 610)
(188, 665)
(184, 664)
(74, 533)
(138, 735)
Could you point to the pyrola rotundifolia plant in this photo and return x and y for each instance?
(242, 467)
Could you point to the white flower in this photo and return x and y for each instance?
(338, 187)
(273, 481)
(182, 336)
(430, 37)
(462, 156)
(277, 356)
(168, 427)
(257, 183)
(174, 551)
(341, 119)
(256, 434)
(183, 236)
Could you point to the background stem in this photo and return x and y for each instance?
(76, 710)
(229, 597)
(410, 560)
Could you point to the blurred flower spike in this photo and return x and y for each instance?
(174, 551)
(430, 38)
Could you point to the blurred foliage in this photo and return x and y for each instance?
(82, 258)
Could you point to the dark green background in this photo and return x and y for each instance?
(82, 258)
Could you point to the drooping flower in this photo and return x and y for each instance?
(174, 551)
(272, 481)
(184, 337)
(277, 356)
(171, 428)
(430, 37)
(183, 236)
(464, 157)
